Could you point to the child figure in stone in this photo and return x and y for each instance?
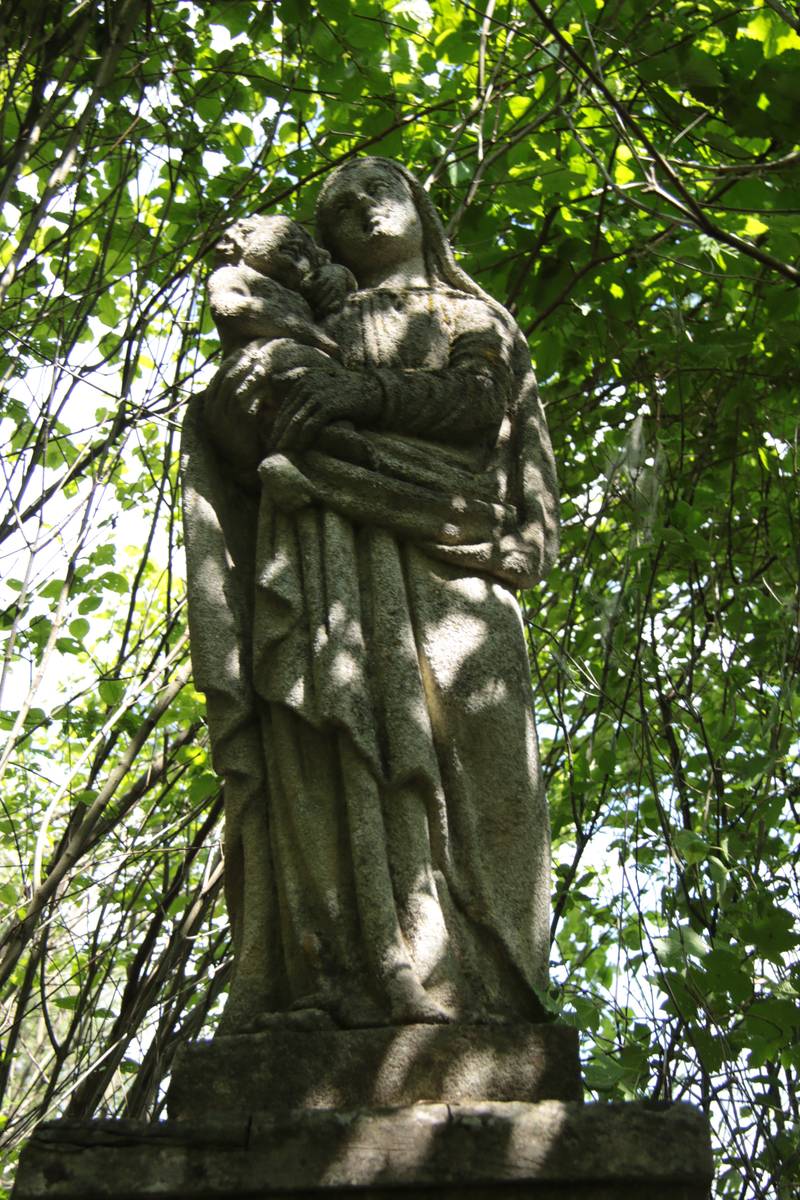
(274, 281)
(271, 287)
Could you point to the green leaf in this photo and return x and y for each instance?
(680, 943)
(772, 934)
(202, 787)
(52, 590)
(691, 846)
(111, 691)
(68, 1003)
(115, 582)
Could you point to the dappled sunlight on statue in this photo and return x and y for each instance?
(375, 735)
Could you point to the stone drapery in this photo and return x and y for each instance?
(355, 631)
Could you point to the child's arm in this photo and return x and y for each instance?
(246, 305)
(328, 288)
(236, 308)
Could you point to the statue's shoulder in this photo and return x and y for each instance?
(473, 313)
(238, 277)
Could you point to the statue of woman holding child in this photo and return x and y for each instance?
(367, 481)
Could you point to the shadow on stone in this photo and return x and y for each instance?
(283, 1070)
(425, 1112)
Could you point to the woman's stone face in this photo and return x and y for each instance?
(371, 220)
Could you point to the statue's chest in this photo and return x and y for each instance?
(393, 330)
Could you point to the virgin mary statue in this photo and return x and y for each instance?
(355, 630)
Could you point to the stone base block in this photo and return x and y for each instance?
(282, 1069)
(546, 1151)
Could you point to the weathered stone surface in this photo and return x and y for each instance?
(268, 271)
(361, 499)
(546, 1150)
(281, 1070)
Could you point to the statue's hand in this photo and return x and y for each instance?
(315, 398)
(255, 375)
(242, 375)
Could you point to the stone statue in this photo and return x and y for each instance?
(366, 483)
(269, 265)
(366, 480)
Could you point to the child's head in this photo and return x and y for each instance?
(274, 246)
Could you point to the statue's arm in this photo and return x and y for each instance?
(461, 403)
(246, 305)
(240, 403)
(235, 305)
(328, 288)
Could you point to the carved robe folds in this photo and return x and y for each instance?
(354, 628)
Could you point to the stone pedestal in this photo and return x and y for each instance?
(415, 1113)
(547, 1151)
(282, 1070)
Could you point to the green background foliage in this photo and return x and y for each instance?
(625, 176)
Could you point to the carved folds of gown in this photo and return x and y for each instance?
(355, 630)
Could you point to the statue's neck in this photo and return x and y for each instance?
(410, 274)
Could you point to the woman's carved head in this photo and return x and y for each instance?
(368, 217)
(402, 192)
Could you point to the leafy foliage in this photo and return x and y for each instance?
(626, 177)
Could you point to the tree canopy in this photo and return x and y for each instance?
(623, 175)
